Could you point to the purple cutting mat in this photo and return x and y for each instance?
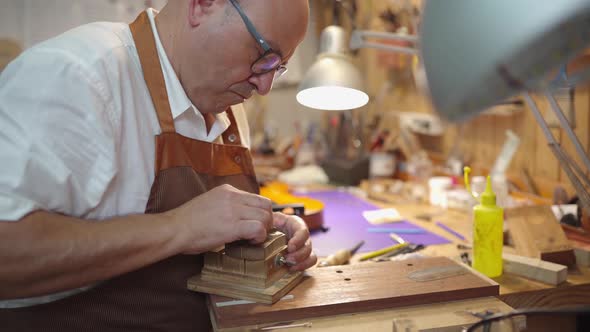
(343, 215)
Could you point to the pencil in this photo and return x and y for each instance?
(382, 251)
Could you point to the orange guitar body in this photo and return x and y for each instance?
(278, 192)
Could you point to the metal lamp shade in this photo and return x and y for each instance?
(332, 83)
(477, 53)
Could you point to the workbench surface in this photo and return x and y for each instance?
(516, 291)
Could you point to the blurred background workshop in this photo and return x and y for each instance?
(437, 151)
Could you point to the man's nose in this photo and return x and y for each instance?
(263, 82)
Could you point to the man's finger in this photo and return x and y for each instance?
(306, 264)
(256, 201)
(288, 224)
(298, 240)
(301, 254)
(252, 230)
(262, 215)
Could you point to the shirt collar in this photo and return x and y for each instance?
(179, 101)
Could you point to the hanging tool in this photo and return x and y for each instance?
(408, 249)
(341, 256)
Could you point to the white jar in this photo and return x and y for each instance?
(438, 187)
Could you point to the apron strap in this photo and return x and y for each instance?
(143, 36)
(232, 134)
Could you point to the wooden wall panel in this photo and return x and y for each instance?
(482, 137)
(582, 123)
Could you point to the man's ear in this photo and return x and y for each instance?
(198, 9)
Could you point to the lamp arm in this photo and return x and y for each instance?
(568, 129)
(385, 35)
(575, 174)
(357, 41)
(579, 77)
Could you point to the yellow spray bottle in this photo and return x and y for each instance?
(488, 225)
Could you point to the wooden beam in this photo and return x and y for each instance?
(535, 269)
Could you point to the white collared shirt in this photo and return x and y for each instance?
(77, 126)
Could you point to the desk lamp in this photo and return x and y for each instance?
(478, 53)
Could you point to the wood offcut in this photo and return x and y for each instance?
(536, 233)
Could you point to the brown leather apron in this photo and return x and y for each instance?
(154, 298)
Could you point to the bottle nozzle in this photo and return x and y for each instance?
(466, 171)
(488, 197)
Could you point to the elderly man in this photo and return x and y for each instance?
(101, 223)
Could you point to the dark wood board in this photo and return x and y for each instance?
(354, 288)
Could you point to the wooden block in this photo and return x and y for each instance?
(536, 269)
(565, 257)
(238, 290)
(212, 260)
(243, 279)
(259, 274)
(537, 234)
(213, 275)
(245, 250)
(264, 268)
(363, 287)
(233, 265)
(582, 257)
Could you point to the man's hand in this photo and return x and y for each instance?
(226, 214)
(299, 245)
(222, 215)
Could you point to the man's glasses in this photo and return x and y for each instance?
(270, 60)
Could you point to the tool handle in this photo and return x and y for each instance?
(339, 258)
(382, 251)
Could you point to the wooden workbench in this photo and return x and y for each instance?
(518, 292)
(515, 292)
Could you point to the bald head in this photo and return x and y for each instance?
(212, 51)
(279, 20)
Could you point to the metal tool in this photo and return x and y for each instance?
(465, 259)
(462, 246)
(280, 260)
(410, 248)
(341, 256)
(287, 326)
